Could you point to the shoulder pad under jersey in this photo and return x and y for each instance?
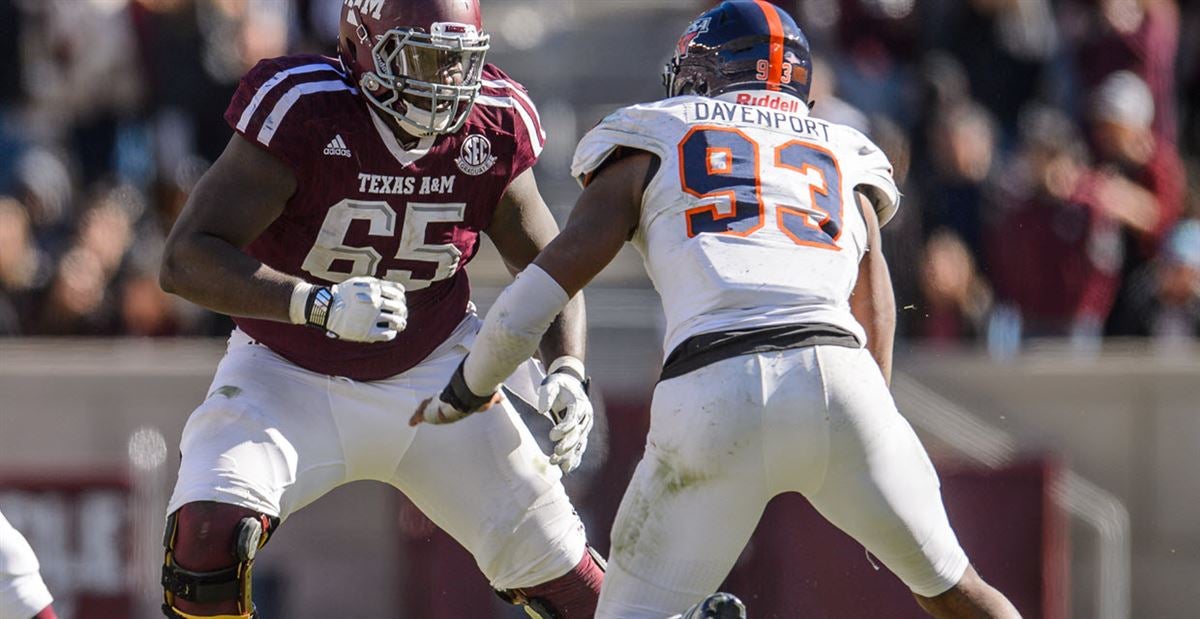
(870, 169)
(652, 127)
(277, 99)
(503, 96)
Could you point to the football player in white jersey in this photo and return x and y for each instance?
(759, 226)
(22, 592)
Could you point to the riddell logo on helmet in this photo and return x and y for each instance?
(774, 102)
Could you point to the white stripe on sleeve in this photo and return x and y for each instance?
(518, 93)
(269, 85)
(536, 142)
(271, 124)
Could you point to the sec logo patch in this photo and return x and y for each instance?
(475, 157)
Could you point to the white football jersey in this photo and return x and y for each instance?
(751, 219)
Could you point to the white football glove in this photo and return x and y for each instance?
(360, 309)
(563, 398)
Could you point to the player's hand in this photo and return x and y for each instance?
(455, 402)
(360, 309)
(563, 398)
(440, 412)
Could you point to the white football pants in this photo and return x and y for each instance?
(273, 437)
(22, 592)
(728, 437)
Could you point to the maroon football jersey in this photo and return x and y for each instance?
(366, 206)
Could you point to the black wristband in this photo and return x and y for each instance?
(583, 380)
(316, 310)
(460, 396)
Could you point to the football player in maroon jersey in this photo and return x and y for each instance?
(334, 229)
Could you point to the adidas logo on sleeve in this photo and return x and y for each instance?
(337, 147)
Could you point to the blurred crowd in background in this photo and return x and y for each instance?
(1048, 151)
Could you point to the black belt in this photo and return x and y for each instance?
(708, 348)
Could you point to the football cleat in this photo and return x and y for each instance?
(717, 606)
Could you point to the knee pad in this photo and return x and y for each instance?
(250, 532)
(536, 608)
(175, 613)
(717, 606)
(571, 595)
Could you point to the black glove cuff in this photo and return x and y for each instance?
(316, 310)
(458, 395)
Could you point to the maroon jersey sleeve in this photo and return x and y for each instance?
(270, 111)
(502, 91)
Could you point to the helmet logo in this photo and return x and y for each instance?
(783, 103)
(475, 156)
(374, 8)
(698, 27)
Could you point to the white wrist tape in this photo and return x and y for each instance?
(299, 303)
(569, 362)
(513, 328)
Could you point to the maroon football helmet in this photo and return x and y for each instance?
(419, 61)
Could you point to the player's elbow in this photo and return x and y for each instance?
(168, 272)
(172, 272)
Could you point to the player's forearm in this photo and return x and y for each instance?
(512, 329)
(211, 272)
(874, 307)
(881, 336)
(567, 335)
(873, 301)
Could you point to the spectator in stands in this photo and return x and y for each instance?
(1178, 290)
(145, 309)
(1007, 46)
(1055, 249)
(1141, 181)
(962, 151)
(826, 104)
(82, 77)
(879, 42)
(1143, 174)
(1161, 300)
(106, 231)
(1139, 36)
(82, 298)
(45, 187)
(20, 266)
(76, 301)
(1188, 86)
(1165, 293)
(957, 299)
